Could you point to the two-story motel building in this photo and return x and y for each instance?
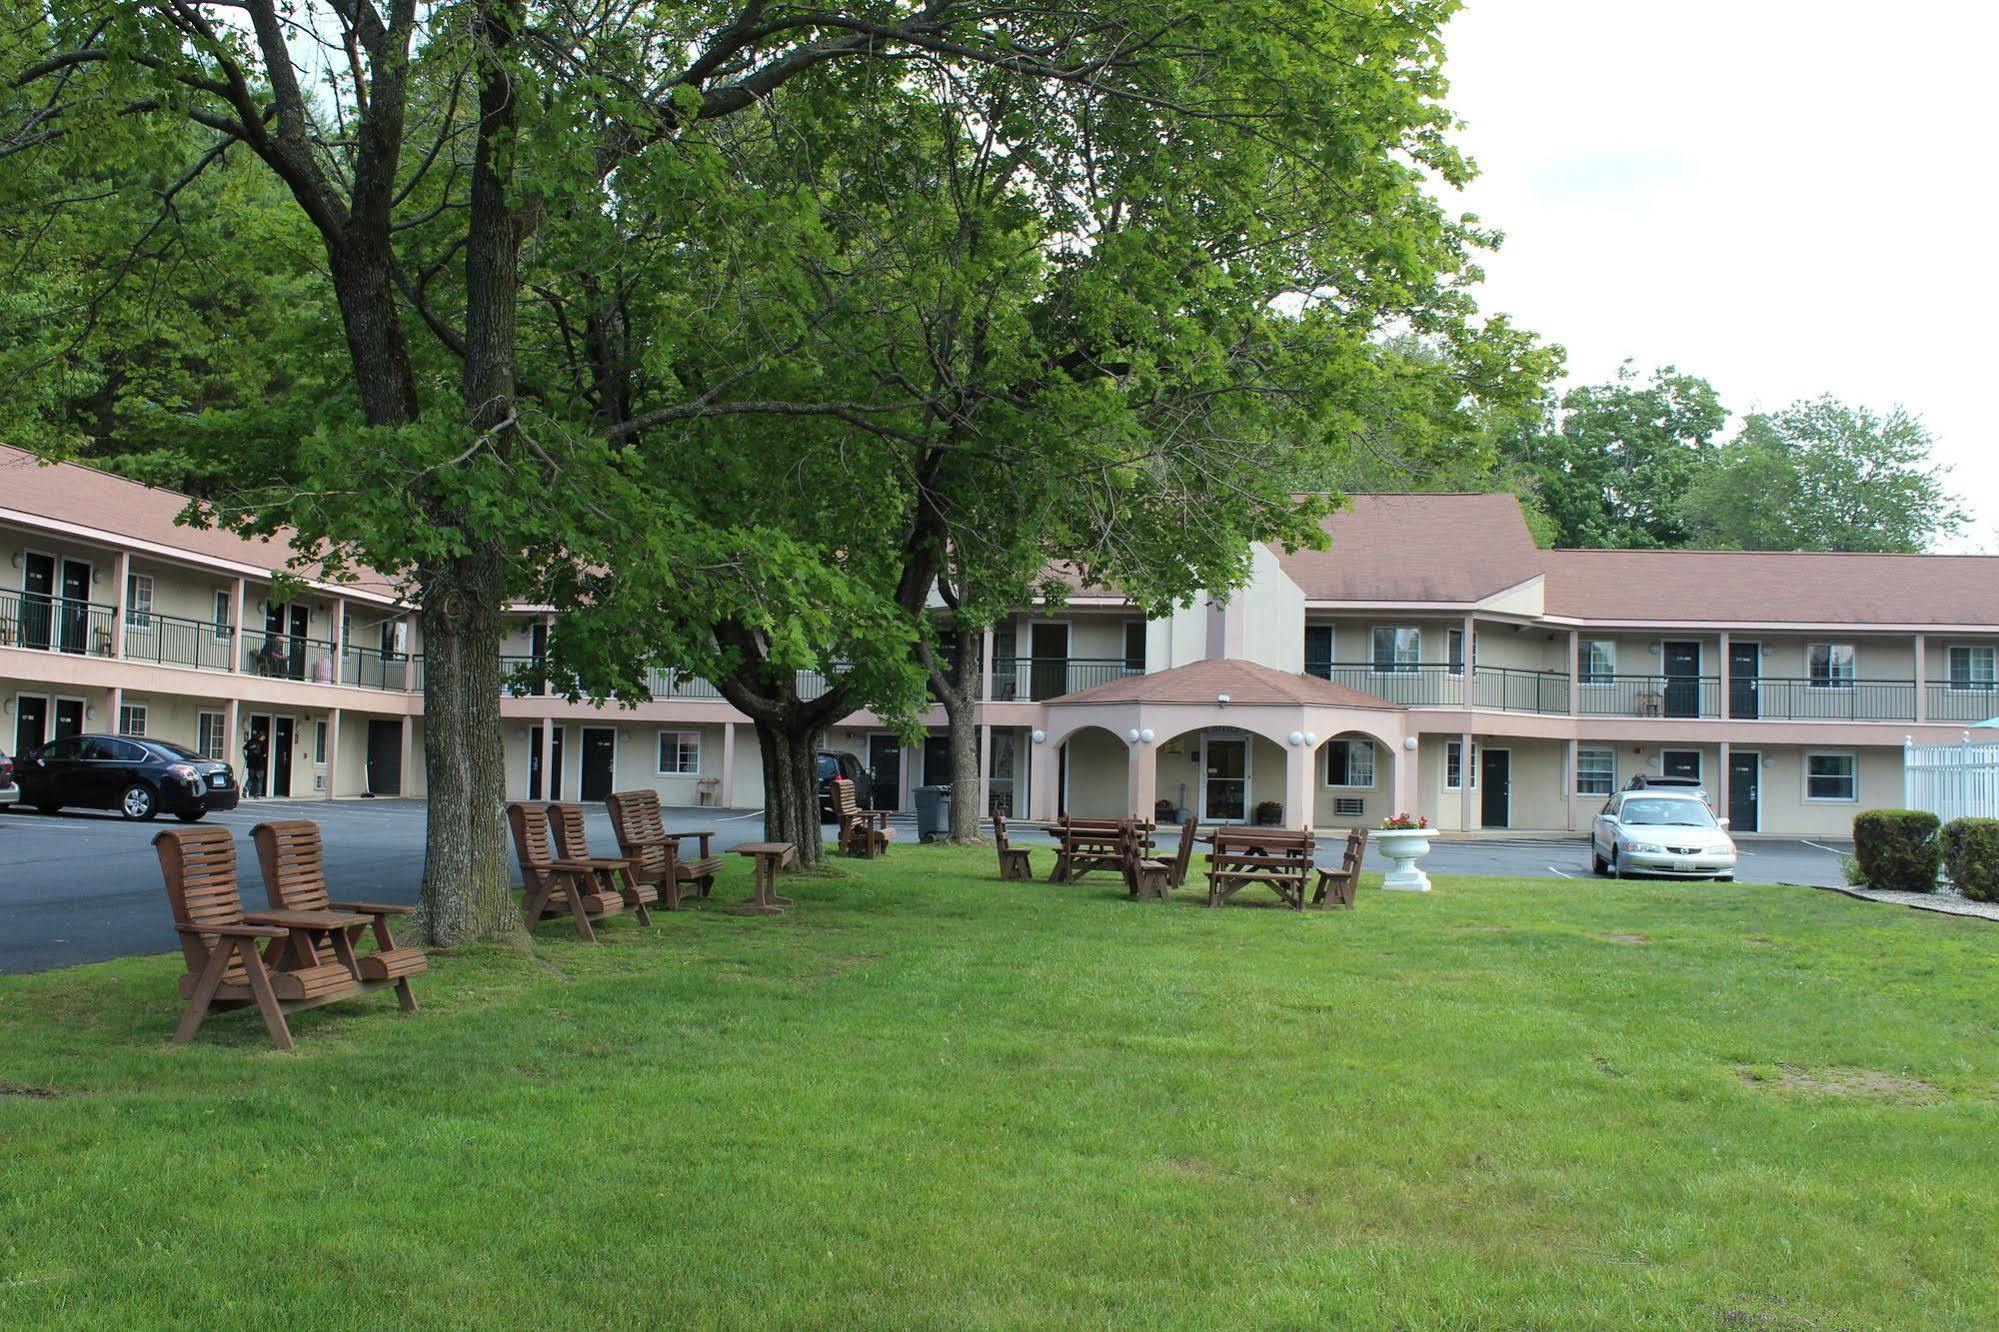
(1432, 660)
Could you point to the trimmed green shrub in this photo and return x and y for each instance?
(1898, 849)
(1971, 857)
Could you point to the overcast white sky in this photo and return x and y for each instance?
(1786, 197)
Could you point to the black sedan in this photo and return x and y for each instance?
(138, 778)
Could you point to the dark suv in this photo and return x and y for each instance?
(833, 765)
(136, 777)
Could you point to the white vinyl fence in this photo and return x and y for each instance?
(1952, 781)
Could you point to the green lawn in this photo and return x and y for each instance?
(927, 1097)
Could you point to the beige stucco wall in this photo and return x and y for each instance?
(1272, 614)
(1098, 775)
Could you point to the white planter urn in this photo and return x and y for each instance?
(1404, 846)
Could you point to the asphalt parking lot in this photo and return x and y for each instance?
(83, 886)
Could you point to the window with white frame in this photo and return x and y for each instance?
(225, 626)
(209, 735)
(132, 719)
(1596, 771)
(1974, 667)
(1832, 777)
(138, 601)
(1397, 648)
(1454, 773)
(679, 753)
(1350, 763)
(1831, 665)
(319, 743)
(1596, 660)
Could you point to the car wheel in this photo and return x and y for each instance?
(190, 815)
(138, 803)
(1596, 865)
(1615, 872)
(1724, 878)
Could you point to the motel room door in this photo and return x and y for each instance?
(600, 752)
(1745, 790)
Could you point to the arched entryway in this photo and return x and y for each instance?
(1092, 774)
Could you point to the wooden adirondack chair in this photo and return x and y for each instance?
(1337, 887)
(308, 961)
(554, 886)
(863, 832)
(613, 873)
(293, 863)
(1176, 873)
(1012, 859)
(654, 852)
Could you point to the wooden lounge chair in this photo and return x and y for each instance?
(1012, 859)
(293, 863)
(613, 873)
(1275, 857)
(554, 886)
(654, 852)
(1337, 887)
(308, 961)
(863, 832)
(1176, 874)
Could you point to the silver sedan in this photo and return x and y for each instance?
(1661, 832)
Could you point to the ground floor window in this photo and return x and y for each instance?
(209, 735)
(319, 743)
(132, 719)
(1832, 777)
(679, 753)
(1350, 763)
(1454, 766)
(1596, 771)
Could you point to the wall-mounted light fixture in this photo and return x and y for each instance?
(1132, 735)
(1311, 740)
(1409, 743)
(16, 559)
(1146, 735)
(1222, 699)
(1296, 737)
(1037, 736)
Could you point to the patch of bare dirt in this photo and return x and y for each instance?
(1865, 1083)
(1631, 939)
(32, 1093)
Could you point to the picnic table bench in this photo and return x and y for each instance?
(1082, 845)
(1278, 858)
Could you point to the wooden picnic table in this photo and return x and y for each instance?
(770, 857)
(1278, 858)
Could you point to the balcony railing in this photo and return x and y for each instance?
(175, 640)
(1687, 696)
(1768, 698)
(1511, 689)
(370, 668)
(55, 624)
(1436, 684)
(1016, 679)
(289, 657)
(1962, 702)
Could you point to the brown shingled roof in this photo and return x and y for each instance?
(78, 494)
(1244, 682)
(1772, 587)
(1452, 549)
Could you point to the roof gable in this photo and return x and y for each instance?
(1454, 550)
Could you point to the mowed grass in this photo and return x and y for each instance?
(925, 1097)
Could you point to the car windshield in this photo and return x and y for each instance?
(1670, 813)
(178, 751)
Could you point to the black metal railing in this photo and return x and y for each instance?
(1778, 698)
(1017, 679)
(1514, 689)
(1437, 684)
(55, 624)
(371, 668)
(1690, 696)
(176, 640)
(289, 657)
(1963, 702)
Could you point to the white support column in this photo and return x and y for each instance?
(236, 642)
(548, 760)
(122, 571)
(1922, 679)
(339, 653)
(232, 739)
(1575, 671)
(1721, 783)
(1467, 772)
(1722, 673)
(1468, 682)
(332, 752)
(408, 783)
(986, 666)
(1298, 803)
(1044, 783)
(1408, 780)
(728, 763)
(117, 705)
(1570, 781)
(1141, 778)
(985, 762)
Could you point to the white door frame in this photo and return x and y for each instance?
(1248, 798)
(270, 746)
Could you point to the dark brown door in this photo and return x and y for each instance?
(281, 756)
(1495, 771)
(385, 757)
(38, 588)
(1683, 679)
(600, 752)
(74, 622)
(1049, 646)
(69, 717)
(31, 722)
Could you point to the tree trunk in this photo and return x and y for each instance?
(467, 893)
(964, 736)
(790, 748)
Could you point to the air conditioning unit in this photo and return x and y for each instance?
(1348, 807)
(319, 781)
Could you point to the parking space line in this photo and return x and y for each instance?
(1821, 846)
(1563, 873)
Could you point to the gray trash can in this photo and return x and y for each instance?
(933, 812)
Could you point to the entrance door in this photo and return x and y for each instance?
(600, 756)
(69, 718)
(385, 757)
(74, 623)
(31, 722)
(281, 757)
(1225, 784)
(1745, 790)
(885, 767)
(1496, 801)
(1745, 671)
(553, 767)
(936, 760)
(1683, 678)
(1048, 675)
(38, 589)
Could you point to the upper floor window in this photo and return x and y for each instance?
(1319, 650)
(138, 601)
(1596, 660)
(1831, 665)
(395, 639)
(225, 624)
(1457, 652)
(1974, 667)
(1397, 647)
(1350, 763)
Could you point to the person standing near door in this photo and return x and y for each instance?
(255, 750)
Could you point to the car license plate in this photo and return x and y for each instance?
(1683, 867)
(218, 779)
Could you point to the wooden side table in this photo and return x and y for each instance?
(770, 857)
